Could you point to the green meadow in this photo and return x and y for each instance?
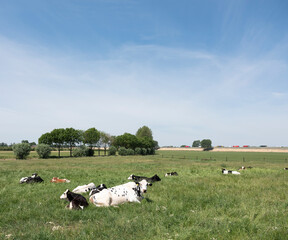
(200, 203)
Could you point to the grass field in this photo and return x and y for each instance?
(200, 203)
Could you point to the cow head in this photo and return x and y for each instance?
(156, 178)
(130, 177)
(54, 179)
(143, 185)
(34, 175)
(65, 194)
(23, 180)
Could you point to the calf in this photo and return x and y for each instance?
(77, 201)
(128, 192)
(33, 179)
(84, 188)
(171, 174)
(224, 171)
(155, 178)
(58, 180)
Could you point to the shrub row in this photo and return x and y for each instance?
(22, 150)
(122, 151)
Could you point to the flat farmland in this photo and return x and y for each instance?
(200, 203)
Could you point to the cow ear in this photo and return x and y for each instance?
(149, 184)
(137, 183)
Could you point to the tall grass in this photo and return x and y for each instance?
(200, 203)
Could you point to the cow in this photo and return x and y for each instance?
(84, 188)
(128, 192)
(285, 168)
(224, 171)
(76, 201)
(243, 168)
(97, 189)
(58, 180)
(155, 178)
(171, 174)
(33, 179)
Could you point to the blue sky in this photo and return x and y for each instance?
(189, 70)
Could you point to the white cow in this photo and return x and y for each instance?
(84, 188)
(224, 171)
(128, 192)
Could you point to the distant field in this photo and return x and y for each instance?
(200, 203)
(232, 149)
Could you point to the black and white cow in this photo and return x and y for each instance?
(128, 192)
(224, 171)
(155, 178)
(84, 188)
(77, 201)
(171, 174)
(97, 189)
(33, 179)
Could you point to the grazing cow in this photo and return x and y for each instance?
(33, 179)
(77, 201)
(97, 189)
(155, 178)
(224, 171)
(171, 174)
(128, 192)
(58, 180)
(84, 188)
(285, 168)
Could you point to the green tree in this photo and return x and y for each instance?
(71, 138)
(206, 144)
(45, 139)
(58, 138)
(126, 140)
(196, 143)
(105, 140)
(91, 137)
(144, 132)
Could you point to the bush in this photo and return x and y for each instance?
(82, 151)
(112, 151)
(144, 151)
(130, 151)
(21, 150)
(43, 150)
(122, 151)
(138, 151)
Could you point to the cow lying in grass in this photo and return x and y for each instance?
(58, 180)
(128, 192)
(224, 171)
(84, 188)
(155, 178)
(77, 201)
(33, 179)
(171, 174)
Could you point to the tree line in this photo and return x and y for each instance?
(84, 143)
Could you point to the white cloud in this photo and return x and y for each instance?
(181, 95)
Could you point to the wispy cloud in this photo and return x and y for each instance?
(176, 92)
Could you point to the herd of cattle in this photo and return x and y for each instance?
(101, 195)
